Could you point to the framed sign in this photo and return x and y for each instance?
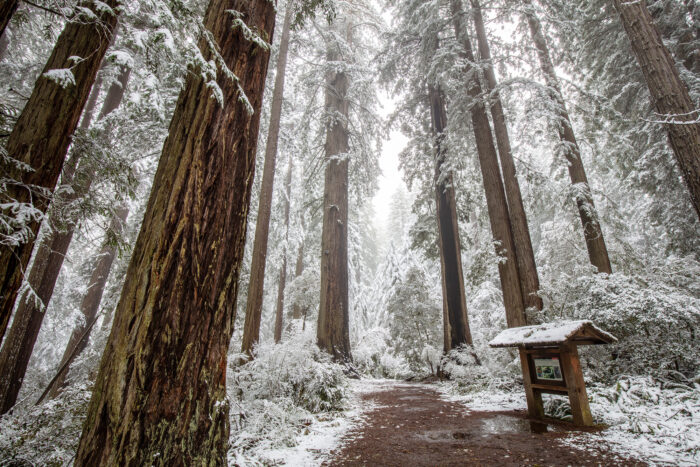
(548, 369)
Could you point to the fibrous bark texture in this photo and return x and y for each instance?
(668, 92)
(253, 310)
(595, 243)
(527, 269)
(333, 331)
(454, 300)
(50, 254)
(160, 394)
(90, 303)
(41, 136)
(496, 203)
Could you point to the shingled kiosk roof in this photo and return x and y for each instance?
(550, 334)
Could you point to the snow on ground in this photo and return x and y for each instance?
(647, 420)
(325, 432)
(487, 401)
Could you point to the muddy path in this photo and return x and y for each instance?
(412, 425)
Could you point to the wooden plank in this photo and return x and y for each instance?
(534, 398)
(571, 366)
(547, 387)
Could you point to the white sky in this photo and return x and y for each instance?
(391, 177)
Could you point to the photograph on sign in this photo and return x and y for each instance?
(548, 369)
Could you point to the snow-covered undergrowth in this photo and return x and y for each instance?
(658, 421)
(655, 419)
(288, 404)
(45, 434)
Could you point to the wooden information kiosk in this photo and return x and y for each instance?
(549, 358)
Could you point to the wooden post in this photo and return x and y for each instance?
(571, 366)
(533, 396)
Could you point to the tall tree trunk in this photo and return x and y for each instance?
(669, 93)
(454, 300)
(527, 269)
(283, 269)
(298, 270)
(333, 330)
(595, 243)
(41, 136)
(253, 309)
(50, 253)
(160, 394)
(7, 10)
(91, 301)
(4, 44)
(496, 203)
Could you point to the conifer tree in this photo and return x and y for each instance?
(456, 322)
(251, 331)
(499, 216)
(38, 143)
(669, 93)
(593, 234)
(160, 393)
(279, 313)
(90, 303)
(51, 252)
(527, 269)
(333, 329)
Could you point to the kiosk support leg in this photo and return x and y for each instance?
(533, 396)
(578, 398)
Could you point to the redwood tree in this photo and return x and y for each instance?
(456, 321)
(41, 136)
(333, 330)
(160, 393)
(90, 303)
(253, 311)
(279, 313)
(50, 253)
(668, 92)
(496, 203)
(595, 243)
(527, 269)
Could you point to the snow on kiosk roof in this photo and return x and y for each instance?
(553, 334)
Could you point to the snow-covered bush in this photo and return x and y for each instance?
(416, 319)
(655, 318)
(469, 372)
(278, 393)
(373, 356)
(295, 369)
(659, 418)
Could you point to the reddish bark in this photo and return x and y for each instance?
(669, 93)
(48, 261)
(41, 136)
(456, 321)
(333, 330)
(253, 313)
(496, 203)
(160, 394)
(527, 269)
(595, 243)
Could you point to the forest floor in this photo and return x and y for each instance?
(413, 424)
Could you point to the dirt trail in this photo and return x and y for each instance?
(413, 426)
